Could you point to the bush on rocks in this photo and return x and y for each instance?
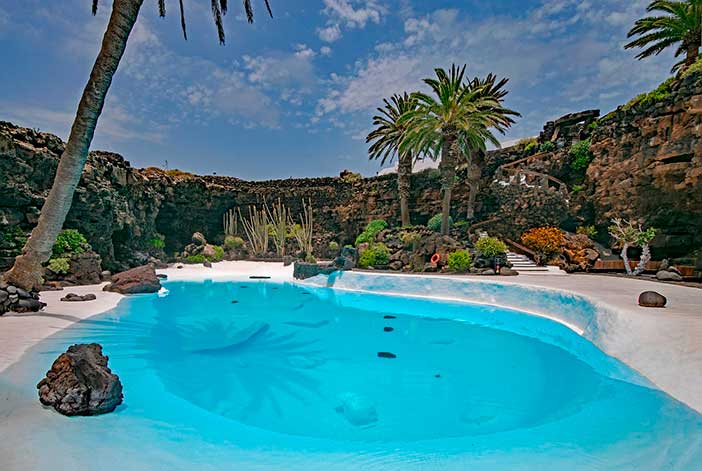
(490, 247)
(547, 242)
(70, 241)
(372, 229)
(459, 261)
(435, 223)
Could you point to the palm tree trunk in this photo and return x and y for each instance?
(27, 270)
(447, 167)
(404, 172)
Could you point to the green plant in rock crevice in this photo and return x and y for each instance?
(580, 155)
(70, 241)
(59, 265)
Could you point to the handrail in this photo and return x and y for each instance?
(521, 248)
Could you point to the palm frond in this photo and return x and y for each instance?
(94, 8)
(162, 8)
(182, 20)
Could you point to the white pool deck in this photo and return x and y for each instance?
(665, 345)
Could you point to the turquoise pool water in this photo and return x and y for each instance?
(265, 376)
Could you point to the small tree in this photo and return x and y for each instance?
(628, 234)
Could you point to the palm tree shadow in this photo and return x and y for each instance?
(233, 370)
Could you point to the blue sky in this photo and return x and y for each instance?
(294, 95)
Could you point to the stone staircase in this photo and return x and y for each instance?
(524, 264)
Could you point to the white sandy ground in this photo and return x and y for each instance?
(663, 344)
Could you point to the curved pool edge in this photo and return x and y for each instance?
(662, 345)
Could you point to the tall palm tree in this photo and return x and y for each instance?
(387, 135)
(452, 124)
(27, 270)
(680, 24)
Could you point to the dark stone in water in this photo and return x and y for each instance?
(235, 302)
(243, 286)
(255, 277)
(80, 383)
(388, 329)
(437, 376)
(389, 317)
(386, 355)
(161, 276)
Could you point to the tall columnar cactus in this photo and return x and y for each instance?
(230, 221)
(281, 222)
(256, 229)
(304, 231)
(627, 234)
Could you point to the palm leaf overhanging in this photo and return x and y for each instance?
(219, 9)
(674, 23)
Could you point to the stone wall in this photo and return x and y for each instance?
(647, 163)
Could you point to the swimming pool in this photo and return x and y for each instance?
(276, 376)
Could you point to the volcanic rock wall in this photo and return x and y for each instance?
(647, 164)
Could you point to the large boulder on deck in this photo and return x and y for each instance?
(135, 281)
(80, 383)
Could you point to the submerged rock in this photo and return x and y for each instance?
(135, 281)
(80, 383)
(357, 409)
(652, 299)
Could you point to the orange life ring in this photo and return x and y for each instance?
(435, 258)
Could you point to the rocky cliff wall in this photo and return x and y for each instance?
(647, 163)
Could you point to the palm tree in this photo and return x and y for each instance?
(387, 136)
(680, 24)
(454, 123)
(27, 270)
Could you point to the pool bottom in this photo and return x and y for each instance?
(173, 416)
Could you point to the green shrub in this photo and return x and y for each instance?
(233, 242)
(435, 223)
(14, 235)
(199, 258)
(333, 246)
(372, 229)
(589, 231)
(580, 155)
(647, 99)
(157, 243)
(490, 246)
(59, 265)
(531, 147)
(577, 188)
(410, 239)
(218, 254)
(547, 146)
(459, 260)
(375, 255)
(367, 259)
(69, 241)
(309, 258)
(382, 254)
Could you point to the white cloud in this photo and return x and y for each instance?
(325, 51)
(330, 33)
(354, 14)
(560, 56)
(350, 14)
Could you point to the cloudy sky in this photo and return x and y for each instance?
(294, 95)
